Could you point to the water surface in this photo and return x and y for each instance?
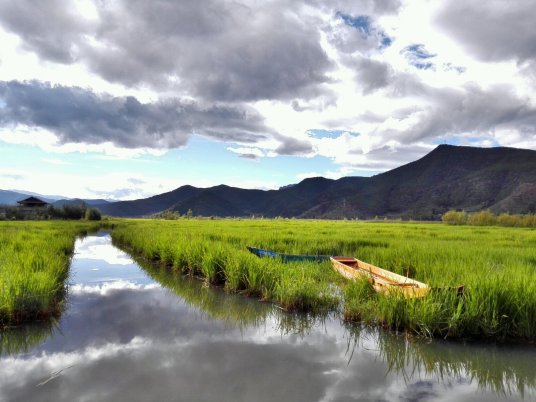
(141, 334)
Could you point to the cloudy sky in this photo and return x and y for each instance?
(124, 99)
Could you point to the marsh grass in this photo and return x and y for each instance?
(34, 267)
(194, 247)
(496, 265)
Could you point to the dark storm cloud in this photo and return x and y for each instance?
(79, 115)
(292, 146)
(221, 51)
(492, 30)
(371, 74)
(48, 28)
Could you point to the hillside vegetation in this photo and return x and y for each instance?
(449, 177)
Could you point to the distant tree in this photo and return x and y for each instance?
(189, 214)
(482, 218)
(509, 220)
(74, 212)
(168, 215)
(93, 214)
(455, 217)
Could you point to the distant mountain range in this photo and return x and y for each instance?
(449, 177)
(10, 197)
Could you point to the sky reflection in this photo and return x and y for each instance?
(133, 339)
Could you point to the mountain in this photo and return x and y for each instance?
(151, 205)
(78, 201)
(10, 197)
(449, 177)
(45, 197)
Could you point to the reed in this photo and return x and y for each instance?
(34, 267)
(496, 265)
(200, 248)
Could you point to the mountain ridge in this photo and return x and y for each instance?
(449, 177)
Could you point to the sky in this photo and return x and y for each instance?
(125, 99)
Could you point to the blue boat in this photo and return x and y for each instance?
(259, 252)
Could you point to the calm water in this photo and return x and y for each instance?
(132, 334)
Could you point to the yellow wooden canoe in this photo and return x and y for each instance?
(384, 281)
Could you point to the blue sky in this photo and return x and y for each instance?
(126, 99)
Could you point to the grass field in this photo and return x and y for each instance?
(496, 265)
(34, 266)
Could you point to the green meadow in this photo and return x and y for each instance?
(495, 264)
(34, 267)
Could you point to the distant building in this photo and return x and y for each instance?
(32, 202)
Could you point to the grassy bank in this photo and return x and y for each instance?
(34, 266)
(215, 251)
(497, 266)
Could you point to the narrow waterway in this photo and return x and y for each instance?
(144, 334)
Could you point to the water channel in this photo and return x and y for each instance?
(144, 334)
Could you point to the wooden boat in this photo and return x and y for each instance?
(288, 257)
(384, 281)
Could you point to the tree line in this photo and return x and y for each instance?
(65, 212)
(488, 218)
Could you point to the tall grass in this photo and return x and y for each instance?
(215, 251)
(34, 266)
(496, 265)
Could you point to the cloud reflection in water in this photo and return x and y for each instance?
(135, 340)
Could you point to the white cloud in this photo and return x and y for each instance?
(359, 86)
(49, 142)
(251, 153)
(104, 289)
(100, 248)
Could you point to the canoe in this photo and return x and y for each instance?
(384, 281)
(288, 257)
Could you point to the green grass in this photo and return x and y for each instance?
(34, 267)
(215, 251)
(496, 265)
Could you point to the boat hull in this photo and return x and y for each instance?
(288, 257)
(382, 280)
